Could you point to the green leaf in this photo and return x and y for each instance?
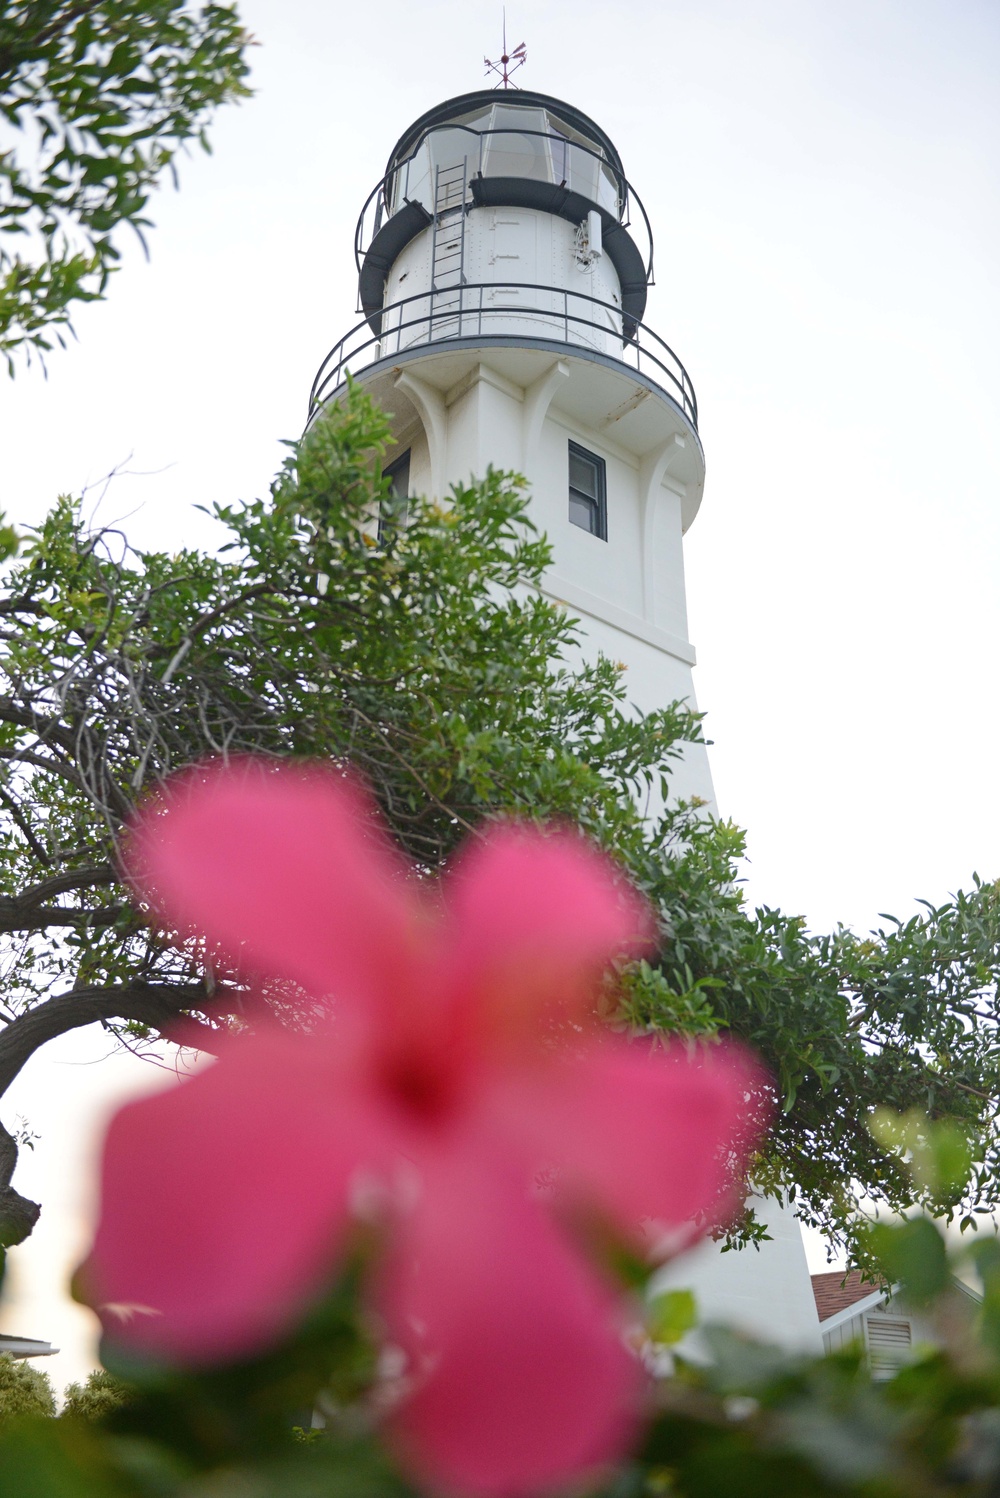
(912, 1254)
(671, 1315)
(51, 1459)
(936, 1151)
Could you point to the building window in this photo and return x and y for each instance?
(393, 512)
(588, 492)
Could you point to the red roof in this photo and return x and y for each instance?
(836, 1291)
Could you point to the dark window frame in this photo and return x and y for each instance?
(392, 511)
(597, 503)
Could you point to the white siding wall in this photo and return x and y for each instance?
(845, 1334)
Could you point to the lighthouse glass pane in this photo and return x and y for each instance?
(587, 491)
(608, 193)
(517, 146)
(580, 163)
(449, 150)
(413, 182)
(584, 172)
(413, 178)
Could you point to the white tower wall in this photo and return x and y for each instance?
(764, 1293)
(457, 412)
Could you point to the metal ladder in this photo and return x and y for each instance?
(448, 245)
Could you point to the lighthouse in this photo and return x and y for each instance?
(503, 264)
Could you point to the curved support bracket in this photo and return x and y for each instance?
(433, 414)
(652, 471)
(537, 399)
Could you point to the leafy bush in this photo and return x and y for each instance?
(24, 1390)
(96, 1397)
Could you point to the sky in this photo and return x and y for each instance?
(823, 186)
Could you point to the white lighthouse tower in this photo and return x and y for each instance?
(503, 265)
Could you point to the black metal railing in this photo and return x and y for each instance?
(389, 195)
(571, 318)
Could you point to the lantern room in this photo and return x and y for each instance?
(505, 216)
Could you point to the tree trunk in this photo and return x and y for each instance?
(18, 1215)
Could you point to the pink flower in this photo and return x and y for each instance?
(457, 1085)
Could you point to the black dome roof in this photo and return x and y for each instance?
(517, 98)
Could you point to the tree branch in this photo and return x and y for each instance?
(12, 57)
(48, 764)
(205, 621)
(16, 917)
(91, 877)
(27, 603)
(22, 822)
(156, 1005)
(49, 729)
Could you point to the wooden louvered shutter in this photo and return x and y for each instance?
(889, 1341)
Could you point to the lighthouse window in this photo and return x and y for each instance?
(393, 511)
(588, 490)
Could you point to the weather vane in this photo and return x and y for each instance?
(509, 61)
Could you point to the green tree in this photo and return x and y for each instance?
(96, 1398)
(426, 662)
(23, 1390)
(101, 94)
(433, 663)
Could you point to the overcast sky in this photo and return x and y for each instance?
(823, 187)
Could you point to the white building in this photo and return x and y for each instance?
(25, 1347)
(855, 1313)
(503, 262)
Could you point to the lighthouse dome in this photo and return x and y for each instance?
(504, 152)
(549, 120)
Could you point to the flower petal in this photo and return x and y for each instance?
(284, 869)
(636, 1132)
(537, 918)
(225, 1201)
(522, 1382)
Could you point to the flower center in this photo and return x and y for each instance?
(422, 1085)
